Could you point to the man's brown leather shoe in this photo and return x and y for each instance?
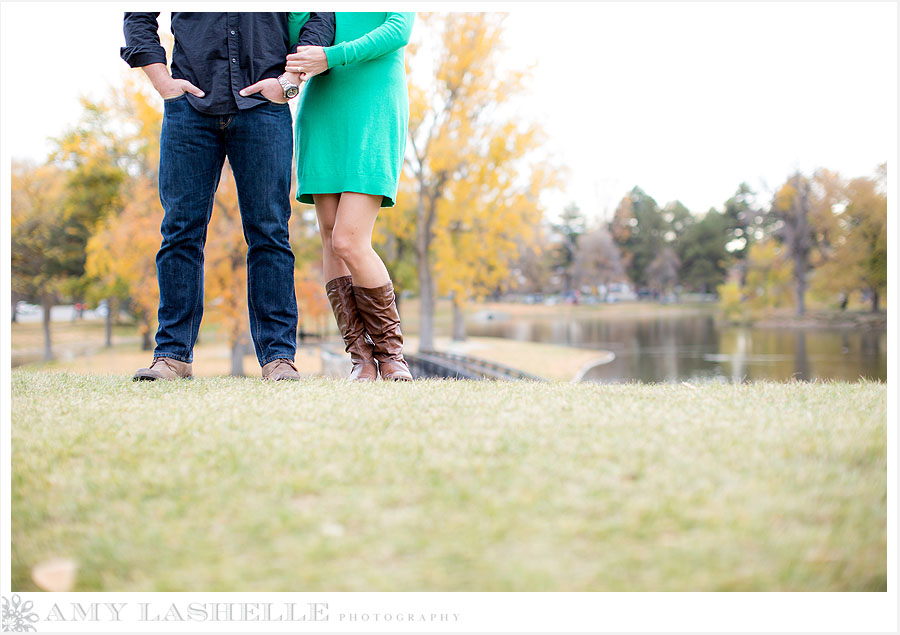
(340, 294)
(280, 369)
(164, 368)
(378, 310)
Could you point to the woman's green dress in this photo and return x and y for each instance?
(350, 132)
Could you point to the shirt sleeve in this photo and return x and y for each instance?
(142, 45)
(380, 41)
(318, 30)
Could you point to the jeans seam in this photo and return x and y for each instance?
(199, 282)
(199, 298)
(254, 323)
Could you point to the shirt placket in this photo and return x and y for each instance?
(234, 54)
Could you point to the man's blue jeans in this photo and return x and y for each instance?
(193, 147)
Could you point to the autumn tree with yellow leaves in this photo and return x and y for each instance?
(121, 254)
(58, 207)
(473, 164)
(39, 261)
(854, 257)
(815, 216)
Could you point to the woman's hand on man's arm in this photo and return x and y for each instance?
(308, 61)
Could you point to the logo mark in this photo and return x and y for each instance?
(18, 616)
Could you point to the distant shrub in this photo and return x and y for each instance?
(731, 303)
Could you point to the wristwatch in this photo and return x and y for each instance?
(290, 90)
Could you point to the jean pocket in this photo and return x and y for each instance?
(169, 100)
(274, 103)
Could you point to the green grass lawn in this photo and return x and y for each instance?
(231, 484)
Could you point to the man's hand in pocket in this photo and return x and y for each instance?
(178, 87)
(269, 88)
(167, 87)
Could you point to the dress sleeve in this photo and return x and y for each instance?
(380, 41)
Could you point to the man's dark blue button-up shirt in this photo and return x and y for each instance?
(222, 53)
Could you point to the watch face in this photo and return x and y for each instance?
(291, 92)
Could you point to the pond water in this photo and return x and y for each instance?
(680, 348)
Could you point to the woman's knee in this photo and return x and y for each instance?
(326, 213)
(326, 227)
(347, 246)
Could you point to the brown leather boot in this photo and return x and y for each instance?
(280, 369)
(378, 310)
(164, 368)
(340, 294)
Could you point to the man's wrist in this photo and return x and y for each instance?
(158, 74)
(290, 88)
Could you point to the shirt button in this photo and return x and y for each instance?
(232, 32)
(234, 60)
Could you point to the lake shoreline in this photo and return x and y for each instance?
(826, 320)
(650, 342)
(776, 319)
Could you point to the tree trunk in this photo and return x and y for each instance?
(800, 295)
(237, 356)
(426, 284)
(109, 321)
(46, 305)
(875, 299)
(426, 308)
(15, 302)
(459, 321)
(146, 339)
(800, 245)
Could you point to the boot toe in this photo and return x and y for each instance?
(363, 371)
(395, 370)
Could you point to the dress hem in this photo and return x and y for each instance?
(336, 184)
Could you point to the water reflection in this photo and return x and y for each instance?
(680, 348)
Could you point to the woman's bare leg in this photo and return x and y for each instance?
(339, 289)
(326, 210)
(372, 288)
(351, 239)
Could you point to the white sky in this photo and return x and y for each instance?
(684, 99)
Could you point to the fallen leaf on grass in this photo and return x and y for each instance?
(334, 530)
(57, 574)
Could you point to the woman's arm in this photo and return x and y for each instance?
(309, 29)
(384, 39)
